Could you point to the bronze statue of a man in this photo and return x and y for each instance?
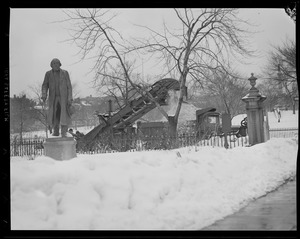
(57, 81)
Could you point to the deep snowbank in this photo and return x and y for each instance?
(178, 189)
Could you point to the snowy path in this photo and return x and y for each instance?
(275, 211)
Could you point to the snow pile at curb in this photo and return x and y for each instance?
(176, 189)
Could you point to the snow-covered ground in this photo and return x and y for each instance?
(287, 120)
(187, 188)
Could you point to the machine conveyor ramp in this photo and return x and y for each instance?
(131, 112)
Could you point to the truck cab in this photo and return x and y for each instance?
(208, 122)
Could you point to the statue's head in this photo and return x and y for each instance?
(55, 64)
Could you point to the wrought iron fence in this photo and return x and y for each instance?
(26, 146)
(125, 144)
(283, 132)
(33, 146)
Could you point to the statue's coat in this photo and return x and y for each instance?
(65, 88)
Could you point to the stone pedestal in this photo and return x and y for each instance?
(255, 114)
(60, 148)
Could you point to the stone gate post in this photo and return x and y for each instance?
(255, 114)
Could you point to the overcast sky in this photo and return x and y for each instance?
(35, 40)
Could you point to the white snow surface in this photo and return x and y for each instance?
(287, 120)
(187, 188)
(187, 111)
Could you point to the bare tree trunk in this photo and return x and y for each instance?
(172, 126)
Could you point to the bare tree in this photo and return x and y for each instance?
(92, 30)
(118, 87)
(21, 113)
(272, 93)
(40, 108)
(281, 69)
(206, 38)
(204, 42)
(226, 89)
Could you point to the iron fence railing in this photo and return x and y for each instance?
(34, 146)
(161, 143)
(26, 146)
(283, 132)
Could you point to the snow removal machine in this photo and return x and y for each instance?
(120, 123)
(123, 119)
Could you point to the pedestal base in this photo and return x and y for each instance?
(60, 148)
